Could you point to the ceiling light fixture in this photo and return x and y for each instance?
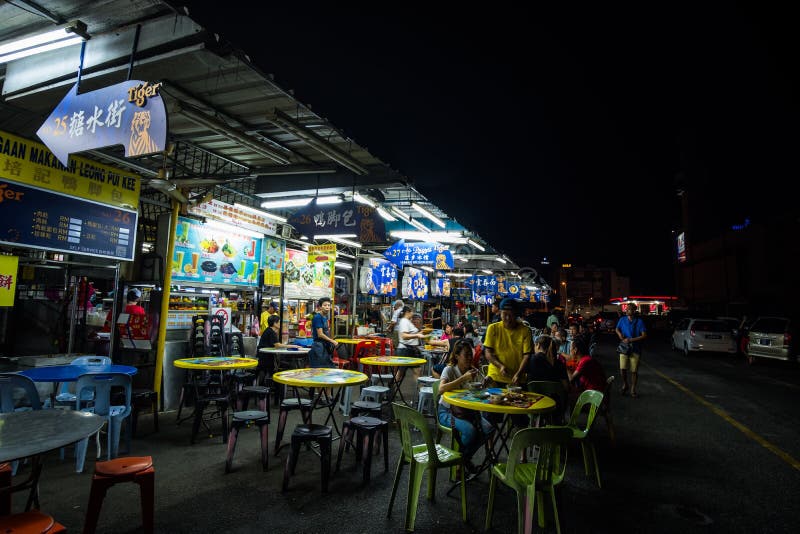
(401, 214)
(363, 200)
(70, 34)
(339, 239)
(287, 203)
(262, 213)
(487, 271)
(421, 227)
(334, 199)
(440, 237)
(501, 260)
(428, 214)
(426, 268)
(385, 214)
(475, 244)
(225, 227)
(342, 265)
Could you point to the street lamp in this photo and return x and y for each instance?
(566, 299)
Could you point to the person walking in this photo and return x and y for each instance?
(631, 330)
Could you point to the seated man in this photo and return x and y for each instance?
(588, 373)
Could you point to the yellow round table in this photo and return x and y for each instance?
(216, 363)
(479, 402)
(393, 363)
(350, 341)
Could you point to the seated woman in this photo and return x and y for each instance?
(458, 373)
(588, 372)
(268, 340)
(437, 368)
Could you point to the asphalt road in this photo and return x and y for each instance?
(711, 445)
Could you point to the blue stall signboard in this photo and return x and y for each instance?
(347, 218)
(482, 285)
(37, 218)
(204, 253)
(380, 278)
(433, 255)
(415, 284)
(440, 287)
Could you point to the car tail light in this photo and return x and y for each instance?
(787, 339)
(691, 332)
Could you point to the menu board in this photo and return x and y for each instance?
(440, 287)
(379, 277)
(415, 284)
(274, 254)
(37, 218)
(211, 255)
(306, 280)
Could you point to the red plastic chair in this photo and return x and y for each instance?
(340, 363)
(385, 346)
(33, 522)
(363, 349)
(131, 469)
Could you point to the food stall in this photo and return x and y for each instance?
(304, 283)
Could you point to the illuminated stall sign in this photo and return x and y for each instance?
(306, 280)
(130, 114)
(246, 218)
(433, 255)
(415, 284)
(212, 255)
(321, 253)
(8, 279)
(378, 277)
(482, 285)
(340, 219)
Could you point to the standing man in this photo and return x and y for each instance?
(436, 317)
(631, 330)
(321, 353)
(392, 328)
(507, 346)
(495, 314)
(271, 310)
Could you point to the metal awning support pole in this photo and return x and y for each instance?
(113, 325)
(162, 325)
(73, 310)
(354, 305)
(133, 50)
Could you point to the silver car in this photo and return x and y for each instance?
(771, 337)
(706, 335)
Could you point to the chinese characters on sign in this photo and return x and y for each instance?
(415, 284)
(223, 211)
(306, 280)
(8, 279)
(379, 277)
(433, 255)
(321, 253)
(339, 219)
(130, 114)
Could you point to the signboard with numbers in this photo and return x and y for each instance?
(433, 255)
(129, 113)
(31, 163)
(340, 219)
(42, 219)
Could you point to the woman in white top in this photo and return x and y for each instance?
(458, 373)
(409, 334)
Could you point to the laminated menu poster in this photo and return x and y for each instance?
(379, 277)
(415, 284)
(205, 253)
(306, 280)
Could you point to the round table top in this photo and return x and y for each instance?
(216, 363)
(350, 341)
(393, 361)
(33, 432)
(318, 377)
(277, 350)
(70, 373)
(474, 401)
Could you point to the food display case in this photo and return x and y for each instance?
(184, 305)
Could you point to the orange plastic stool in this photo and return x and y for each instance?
(138, 469)
(33, 522)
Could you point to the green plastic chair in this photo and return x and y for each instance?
(593, 399)
(428, 455)
(530, 480)
(554, 390)
(442, 430)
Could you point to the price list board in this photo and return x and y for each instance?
(42, 219)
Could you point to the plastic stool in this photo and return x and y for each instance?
(365, 430)
(138, 469)
(320, 434)
(374, 393)
(347, 399)
(378, 379)
(286, 406)
(261, 393)
(425, 381)
(425, 401)
(138, 397)
(372, 409)
(33, 522)
(242, 419)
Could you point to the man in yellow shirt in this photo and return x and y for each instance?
(508, 346)
(272, 309)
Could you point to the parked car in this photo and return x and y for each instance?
(703, 335)
(771, 337)
(606, 321)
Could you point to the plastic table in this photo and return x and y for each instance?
(70, 373)
(216, 363)
(394, 363)
(282, 353)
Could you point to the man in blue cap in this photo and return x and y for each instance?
(507, 346)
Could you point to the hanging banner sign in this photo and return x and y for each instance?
(440, 287)
(243, 217)
(31, 163)
(321, 253)
(378, 277)
(340, 219)
(415, 284)
(42, 219)
(482, 285)
(207, 254)
(433, 255)
(8, 279)
(130, 114)
(306, 280)
(274, 255)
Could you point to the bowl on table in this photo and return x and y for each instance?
(514, 389)
(475, 386)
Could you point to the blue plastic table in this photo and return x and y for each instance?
(70, 373)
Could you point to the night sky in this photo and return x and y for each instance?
(560, 134)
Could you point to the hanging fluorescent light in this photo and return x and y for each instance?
(440, 237)
(501, 260)
(363, 200)
(286, 203)
(465, 260)
(385, 214)
(344, 254)
(487, 271)
(341, 265)
(262, 213)
(339, 239)
(401, 214)
(72, 33)
(428, 214)
(426, 268)
(340, 276)
(304, 237)
(335, 199)
(333, 236)
(416, 224)
(225, 227)
(475, 244)
(459, 275)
